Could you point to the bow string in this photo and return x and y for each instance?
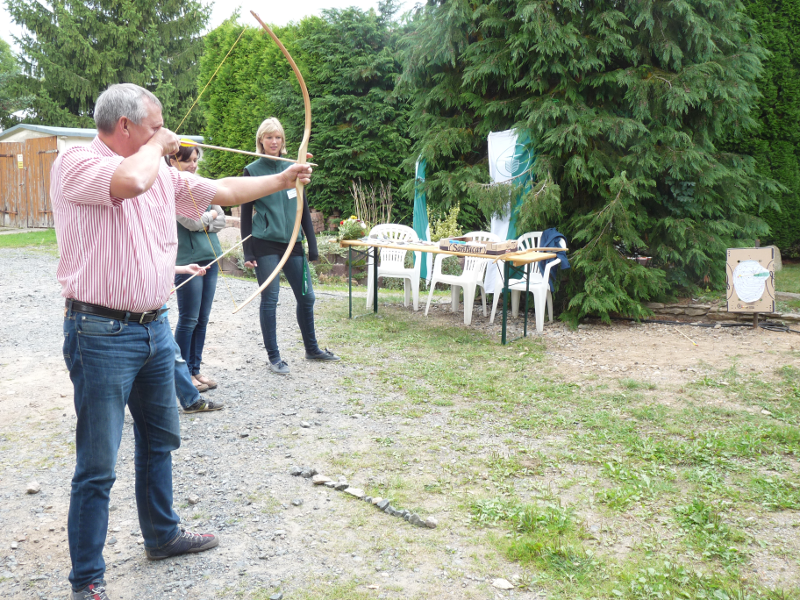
(188, 187)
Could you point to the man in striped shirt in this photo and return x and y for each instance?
(114, 205)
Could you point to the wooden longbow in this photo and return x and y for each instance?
(301, 159)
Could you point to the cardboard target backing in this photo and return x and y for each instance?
(750, 278)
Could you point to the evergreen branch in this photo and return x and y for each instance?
(529, 171)
(588, 247)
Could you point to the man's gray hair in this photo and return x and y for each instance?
(122, 100)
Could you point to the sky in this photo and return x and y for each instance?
(274, 12)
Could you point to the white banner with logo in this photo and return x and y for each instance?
(509, 157)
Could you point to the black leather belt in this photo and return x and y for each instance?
(110, 313)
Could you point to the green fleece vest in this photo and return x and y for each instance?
(193, 246)
(273, 215)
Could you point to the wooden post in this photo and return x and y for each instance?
(755, 315)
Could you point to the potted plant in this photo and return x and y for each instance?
(352, 229)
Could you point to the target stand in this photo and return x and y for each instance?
(750, 278)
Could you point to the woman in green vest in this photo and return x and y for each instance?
(271, 220)
(197, 244)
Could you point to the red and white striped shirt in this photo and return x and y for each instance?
(115, 252)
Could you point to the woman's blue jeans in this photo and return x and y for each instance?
(194, 307)
(293, 269)
(184, 388)
(113, 363)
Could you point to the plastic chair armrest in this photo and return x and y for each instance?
(548, 266)
(437, 263)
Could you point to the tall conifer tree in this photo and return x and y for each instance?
(239, 95)
(627, 103)
(349, 63)
(443, 119)
(776, 143)
(10, 99)
(360, 127)
(76, 50)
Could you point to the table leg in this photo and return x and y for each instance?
(375, 279)
(527, 287)
(350, 278)
(505, 298)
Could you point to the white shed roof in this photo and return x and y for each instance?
(26, 131)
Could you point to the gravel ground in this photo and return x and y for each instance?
(279, 533)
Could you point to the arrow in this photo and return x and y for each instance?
(213, 261)
(190, 144)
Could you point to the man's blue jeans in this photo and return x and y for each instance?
(293, 269)
(194, 307)
(113, 363)
(184, 388)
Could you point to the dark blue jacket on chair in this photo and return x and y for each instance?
(550, 239)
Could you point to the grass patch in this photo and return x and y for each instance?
(45, 239)
(669, 580)
(502, 468)
(784, 306)
(548, 537)
(663, 471)
(776, 493)
(788, 278)
(552, 541)
(706, 532)
(633, 484)
(441, 364)
(632, 384)
(338, 591)
(396, 488)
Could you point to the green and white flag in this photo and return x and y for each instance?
(510, 158)
(421, 225)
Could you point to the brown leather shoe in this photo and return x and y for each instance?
(201, 387)
(206, 380)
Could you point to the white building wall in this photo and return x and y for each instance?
(65, 143)
(62, 143)
(24, 134)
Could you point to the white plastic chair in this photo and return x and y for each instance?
(539, 284)
(392, 262)
(471, 277)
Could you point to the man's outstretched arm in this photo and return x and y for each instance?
(232, 191)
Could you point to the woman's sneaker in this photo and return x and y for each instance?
(184, 543)
(280, 367)
(322, 355)
(204, 406)
(93, 591)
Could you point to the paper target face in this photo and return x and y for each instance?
(750, 280)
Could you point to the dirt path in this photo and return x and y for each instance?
(279, 533)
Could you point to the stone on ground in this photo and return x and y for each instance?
(502, 584)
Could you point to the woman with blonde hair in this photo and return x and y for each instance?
(270, 220)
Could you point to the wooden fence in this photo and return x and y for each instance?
(25, 182)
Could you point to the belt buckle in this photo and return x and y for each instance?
(141, 319)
